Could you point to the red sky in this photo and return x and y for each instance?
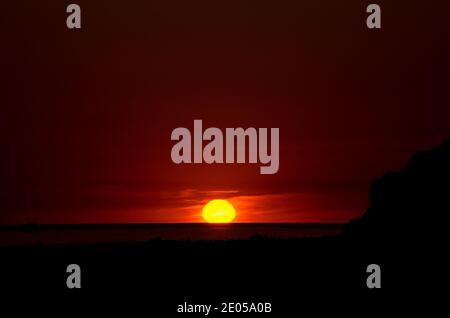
(86, 115)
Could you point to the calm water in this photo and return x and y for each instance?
(73, 234)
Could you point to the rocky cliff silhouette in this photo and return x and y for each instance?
(409, 204)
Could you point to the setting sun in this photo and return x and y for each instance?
(218, 211)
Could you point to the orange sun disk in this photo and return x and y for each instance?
(218, 211)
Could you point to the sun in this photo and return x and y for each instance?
(218, 211)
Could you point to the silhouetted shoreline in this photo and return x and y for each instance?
(60, 234)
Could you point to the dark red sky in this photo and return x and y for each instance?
(86, 115)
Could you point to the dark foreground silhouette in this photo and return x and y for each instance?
(411, 204)
(402, 231)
